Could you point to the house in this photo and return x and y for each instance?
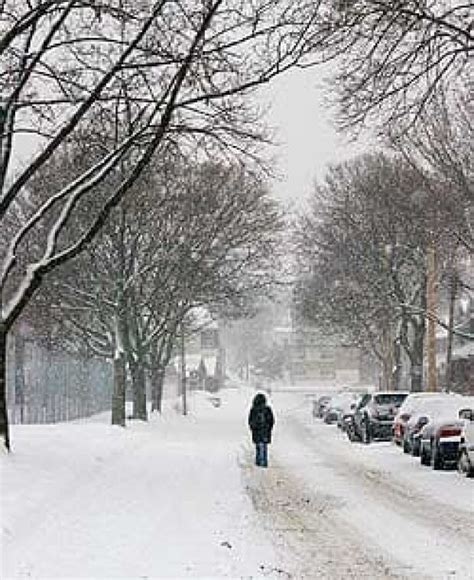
(204, 360)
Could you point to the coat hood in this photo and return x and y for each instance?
(259, 400)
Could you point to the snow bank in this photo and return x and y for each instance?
(162, 499)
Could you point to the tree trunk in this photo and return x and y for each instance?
(157, 380)
(4, 430)
(153, 389)
(397, 351)
(416, 361)
(387, 378)
(161, 356)
(139, 390)
(118, 396)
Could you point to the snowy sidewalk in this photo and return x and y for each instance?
(179, 497)
(162, 499)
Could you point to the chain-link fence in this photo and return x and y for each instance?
(46, 386)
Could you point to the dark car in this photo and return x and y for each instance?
(412, 433)
(345, 416)
(339, 404)
(440, 438)
(427, 409)
(319, 406)
(331, 416)
(347, 412)
(374, 415)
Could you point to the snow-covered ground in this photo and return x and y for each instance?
(179, 497)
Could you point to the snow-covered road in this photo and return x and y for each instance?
(342, 510)
(179, 497)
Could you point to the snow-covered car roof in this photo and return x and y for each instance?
(341, 400)
(391, 393)
(416, 401)
(442, 407)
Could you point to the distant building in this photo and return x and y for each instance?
(204, 358)
(314, 357)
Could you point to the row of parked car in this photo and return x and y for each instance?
(436, 427)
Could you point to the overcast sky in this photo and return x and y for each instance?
(304, 125)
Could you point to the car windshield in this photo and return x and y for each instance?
(390, 398)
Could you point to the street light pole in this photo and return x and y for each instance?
(183, 370)
(387, 332)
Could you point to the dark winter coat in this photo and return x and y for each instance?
(261, 420)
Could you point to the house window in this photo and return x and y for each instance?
(209, 339)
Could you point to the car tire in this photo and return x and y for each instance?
(415, 450)
(424, 458)
(436, 460)
(464, 465)
(366, 433)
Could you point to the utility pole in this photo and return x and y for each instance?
(183, 370)
(453, 287)
(432, 308)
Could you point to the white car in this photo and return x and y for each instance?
(466, 446)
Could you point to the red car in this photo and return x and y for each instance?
(440, 438)
(410, 405)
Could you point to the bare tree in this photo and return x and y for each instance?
(441, 149)
(156, 68)
(362, 248)
(191, 236)
(394, 55)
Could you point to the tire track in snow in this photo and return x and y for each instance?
(309, 535)
(405, 500)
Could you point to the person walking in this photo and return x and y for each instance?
(261, 421)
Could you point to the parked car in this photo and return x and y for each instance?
(436, 406)
(331, 415)
(338, 406)
(319, 406)
(409, 406)
(440, 438)
(346, 413)
(374, 415)
(411, 433)
(466, 446)
(332, 410)
(346, 404)
(346, 419)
